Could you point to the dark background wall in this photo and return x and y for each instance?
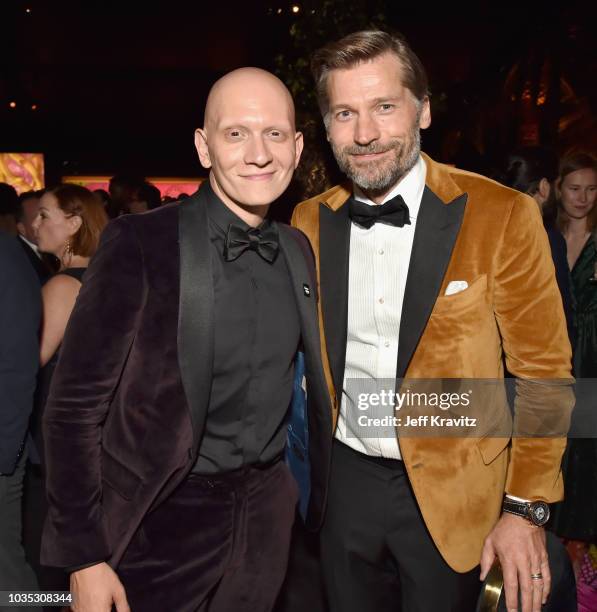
(106, 87)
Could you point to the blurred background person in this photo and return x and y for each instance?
(147, 197)
(104, 197)
(20, 309)
(533, 170)
(69, 224)
(576, 217)
(9, 205)
(124, 189)
(44, 264)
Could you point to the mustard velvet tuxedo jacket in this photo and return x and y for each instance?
(474, 229)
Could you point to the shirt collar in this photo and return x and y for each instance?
(410, 187)
(33, 246)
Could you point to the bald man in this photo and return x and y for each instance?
(167, 427)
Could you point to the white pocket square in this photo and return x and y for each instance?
(456, 287)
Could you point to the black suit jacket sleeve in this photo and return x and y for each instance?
(20, 311)
(96, 345)
(559, 254)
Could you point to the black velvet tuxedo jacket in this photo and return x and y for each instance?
(130, 394)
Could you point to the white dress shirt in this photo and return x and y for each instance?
(378, 267)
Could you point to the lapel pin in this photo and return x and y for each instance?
(306, 289)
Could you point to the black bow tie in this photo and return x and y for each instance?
(263, 241)
(393, 212)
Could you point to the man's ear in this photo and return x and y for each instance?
(544, 188)
(21, 228)
(425, 117)
(299, 143)
(202, 148)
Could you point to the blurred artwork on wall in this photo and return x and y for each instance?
(24, 171)
(169, 187)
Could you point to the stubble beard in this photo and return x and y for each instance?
(378, 176)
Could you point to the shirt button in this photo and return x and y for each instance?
(381, 251)
(386, 343)
(381, 300)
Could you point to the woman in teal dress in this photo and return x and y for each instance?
(576, 517)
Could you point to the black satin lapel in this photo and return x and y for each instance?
(196, 309)
(334, 246)
(320, 409)
(437, 228)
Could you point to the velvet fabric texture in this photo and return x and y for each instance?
(469, 228)
(129, 397)
(217, 543)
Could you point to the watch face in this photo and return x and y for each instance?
(539, 513)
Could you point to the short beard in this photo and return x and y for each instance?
(377, 181)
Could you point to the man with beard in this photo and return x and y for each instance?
(428, 272)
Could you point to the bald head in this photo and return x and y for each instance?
(246, 86)
(249, 139)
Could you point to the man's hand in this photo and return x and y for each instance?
(96, 588)
(520, 548)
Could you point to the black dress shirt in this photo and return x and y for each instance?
(257, 332)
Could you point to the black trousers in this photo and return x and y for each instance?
(15, 573)
(303, 589)
(218, 544)
(377, 554)
(35, 509)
